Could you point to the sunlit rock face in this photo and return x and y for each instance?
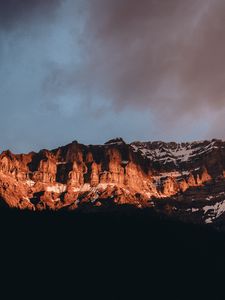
(142, 174)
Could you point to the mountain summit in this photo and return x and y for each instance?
(185, 180)
(118, 140)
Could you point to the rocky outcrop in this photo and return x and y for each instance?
(136, 173)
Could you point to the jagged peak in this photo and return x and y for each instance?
(7, 153)
(75, 142)
(117, 140)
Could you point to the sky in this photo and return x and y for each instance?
(92, 70)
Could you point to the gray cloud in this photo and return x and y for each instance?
(92, 69)
(159, 54)
(165, 56)
(13, 13)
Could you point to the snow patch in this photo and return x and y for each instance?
(58, 188)
(172, 152)
(214, 211)
(30, 183)
(104, 185)
(75, 189)
(193, 209)
(85, 188)
(208, 221)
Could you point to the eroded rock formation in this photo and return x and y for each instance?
(135, 173)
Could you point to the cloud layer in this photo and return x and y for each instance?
(94, 69)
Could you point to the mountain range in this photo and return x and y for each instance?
(185, 181)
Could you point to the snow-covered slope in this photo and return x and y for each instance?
(176, 153)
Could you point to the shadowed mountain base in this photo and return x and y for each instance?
(129, 253)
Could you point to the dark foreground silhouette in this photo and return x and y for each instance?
(124, 254)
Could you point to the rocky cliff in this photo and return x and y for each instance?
(184, 179)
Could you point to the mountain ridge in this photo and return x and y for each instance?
(188, 178)
(116, 139)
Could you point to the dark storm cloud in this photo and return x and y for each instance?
(14, 12)
(162, 55)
